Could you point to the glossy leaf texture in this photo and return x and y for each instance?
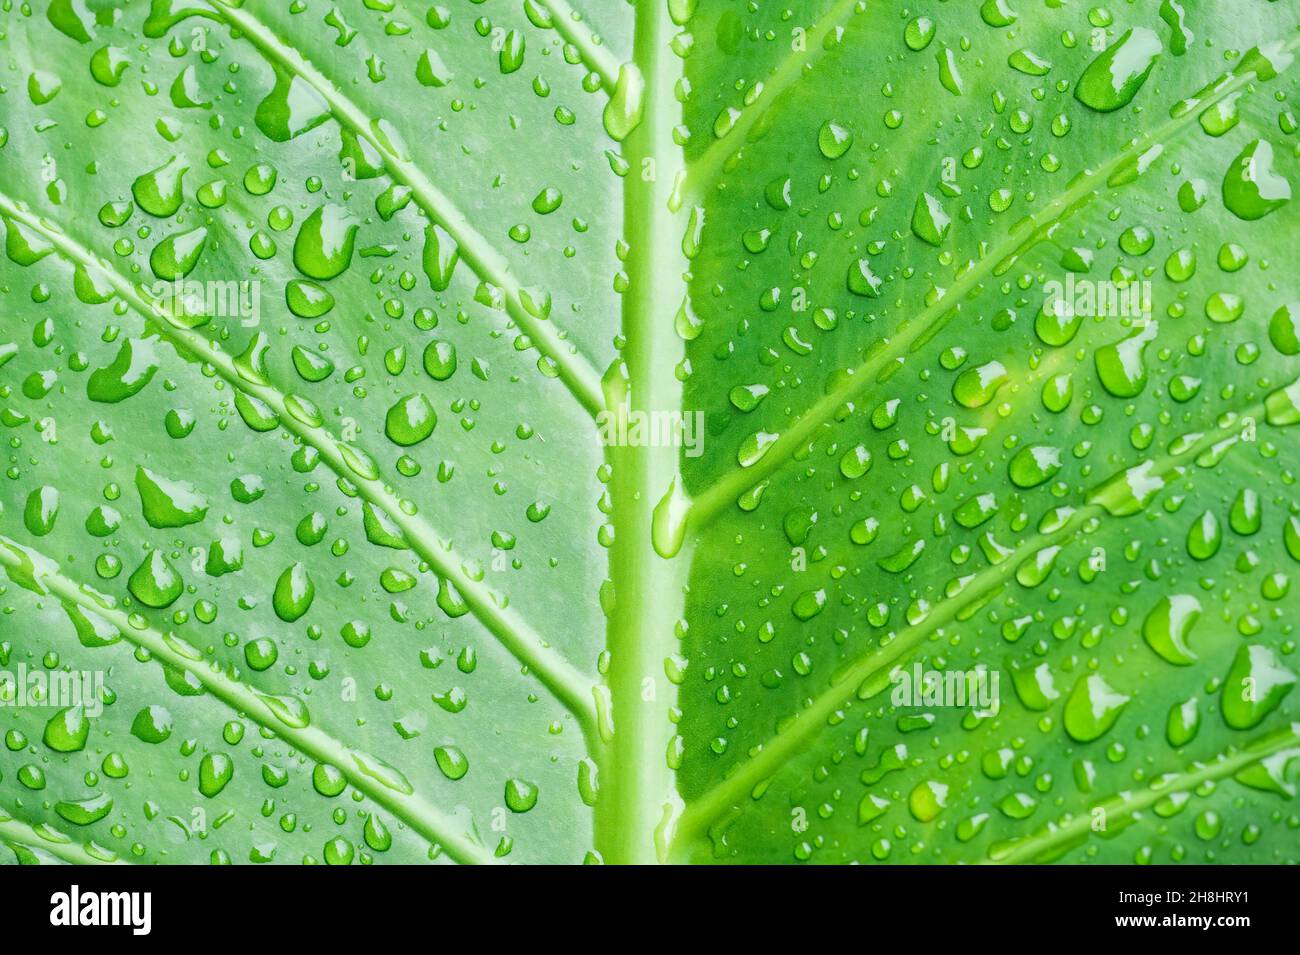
(500, 432)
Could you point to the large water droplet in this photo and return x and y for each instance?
(1254, 687)
(294, 593)
(1251, 187)
(1115, 76)
(167, 503)
(323, 248)
(159, 191)
(1168, 625)
(1093, 708)
(155, 582)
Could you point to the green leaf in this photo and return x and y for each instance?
(670, 431)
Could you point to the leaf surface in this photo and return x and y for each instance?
(501, 432)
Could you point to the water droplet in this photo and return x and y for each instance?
(177, 255)
(1183, 723)
(430, 69)
(159, 191)
(41, 510)
(291, 108)
(1179, 36)
(85, 812)
(833, 140)
(441, 253)
(155, 582)
(623, 110)
(167, 503)
(440, 359)
(918, 33)
(996, 13)
(1092, 709)
(809, 604)
(1251, 187)
(1168, 625)
(1254, 687)
(1028, 62)
(975, 387)
(410, 420)
(949, 75)
(294, 593)
(1115, 76)
(323, 247)
(1120, 365)
(67, 730)
(862, 281)
(930, 222)
(452, 761)
(927, 800)
(1204, 537)
(215, 772)
(668, 523)
(521, 795)
(1033, 465)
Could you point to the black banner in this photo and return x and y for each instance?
(139, 904)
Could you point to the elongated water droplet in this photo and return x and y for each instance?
(930, 222)
(1204, 537)
(668, 523)
(323, 247)
(41, 510)
(291, 108)
(215, 772)
(1183, 723)
(1252, 188)
(623, 110)
(441, 253)
(975, 387)
(294, 593)
(1254, 687)
(1115, 76)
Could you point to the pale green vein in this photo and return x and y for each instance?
(481, 256)
(35, 571)
(746, 778)
(569, 686)
(47, 839)
(706, 170)
(1079, 828)
(915, 332)
(571, 26)
(637, 782)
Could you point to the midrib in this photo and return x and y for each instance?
(637, 785)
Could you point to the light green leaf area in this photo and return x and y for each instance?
(497, 432)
